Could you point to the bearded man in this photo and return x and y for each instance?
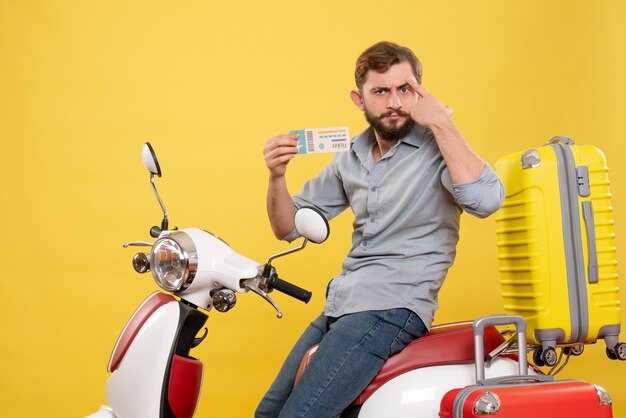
(407, 178)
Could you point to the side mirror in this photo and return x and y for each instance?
(150, 160)
(151, 163)
(311, 224)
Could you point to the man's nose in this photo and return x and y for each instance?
(394, 101)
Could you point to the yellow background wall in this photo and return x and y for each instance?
(83, 84)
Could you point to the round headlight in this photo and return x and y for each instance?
(173, 262)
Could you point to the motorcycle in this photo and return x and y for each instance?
(153, 374)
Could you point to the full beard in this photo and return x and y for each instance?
(396, 130)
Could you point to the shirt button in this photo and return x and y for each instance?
(372, 219)
(365, 243)
(373, 188)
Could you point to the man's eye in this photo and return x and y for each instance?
(380, 92)
(405, 90)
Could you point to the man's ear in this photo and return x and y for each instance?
(357, 99)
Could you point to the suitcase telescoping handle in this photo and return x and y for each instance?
(479, 349)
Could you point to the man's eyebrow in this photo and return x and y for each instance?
(384, 88)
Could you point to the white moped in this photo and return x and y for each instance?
(153, 374)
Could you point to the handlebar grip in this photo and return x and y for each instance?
(290, 289)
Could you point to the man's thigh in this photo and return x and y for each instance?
(348, 358)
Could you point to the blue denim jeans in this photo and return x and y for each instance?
(352, 349)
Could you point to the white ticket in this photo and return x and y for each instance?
(316, 140)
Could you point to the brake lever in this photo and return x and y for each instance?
(251, 284)
(137, 244)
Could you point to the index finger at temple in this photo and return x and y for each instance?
(421, 91)
(412, 81)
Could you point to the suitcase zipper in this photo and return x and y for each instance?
(572, 237)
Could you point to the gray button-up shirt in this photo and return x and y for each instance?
(406, 222)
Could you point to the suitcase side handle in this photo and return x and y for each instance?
(562, 139)
(479, 349)
(592, 252)
(527, 378)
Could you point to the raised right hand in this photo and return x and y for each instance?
(278, 151)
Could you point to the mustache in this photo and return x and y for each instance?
(393, 112)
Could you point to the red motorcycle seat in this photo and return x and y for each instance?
(444, 344)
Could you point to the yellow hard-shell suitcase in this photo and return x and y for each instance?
(556, 248)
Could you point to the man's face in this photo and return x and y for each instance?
(386, 99)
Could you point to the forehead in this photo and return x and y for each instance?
(396, 76)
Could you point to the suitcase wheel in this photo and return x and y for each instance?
(545, 357)
(576, 350)
(618, 352)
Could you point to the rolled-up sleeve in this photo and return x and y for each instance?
(480, 197)
(325, 192)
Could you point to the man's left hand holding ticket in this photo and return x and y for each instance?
(278, 151)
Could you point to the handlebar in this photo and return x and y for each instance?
(267, 280)
(289, 289)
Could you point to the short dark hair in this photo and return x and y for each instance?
(381, 56)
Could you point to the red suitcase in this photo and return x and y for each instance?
(525, 395)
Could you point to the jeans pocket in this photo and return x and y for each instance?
(413, 329)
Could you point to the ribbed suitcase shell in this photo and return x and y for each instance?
(548, 241)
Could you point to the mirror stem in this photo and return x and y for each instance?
(164, 223)
(275, 256)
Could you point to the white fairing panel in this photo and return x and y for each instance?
(103, 412)
(134, 389)
(218, 265)
(418, 393)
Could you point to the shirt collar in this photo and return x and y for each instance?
(362, 143)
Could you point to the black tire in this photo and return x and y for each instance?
(537, 357)
(611, 354)
(576, 350)
(620, 351)
(549, 357)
